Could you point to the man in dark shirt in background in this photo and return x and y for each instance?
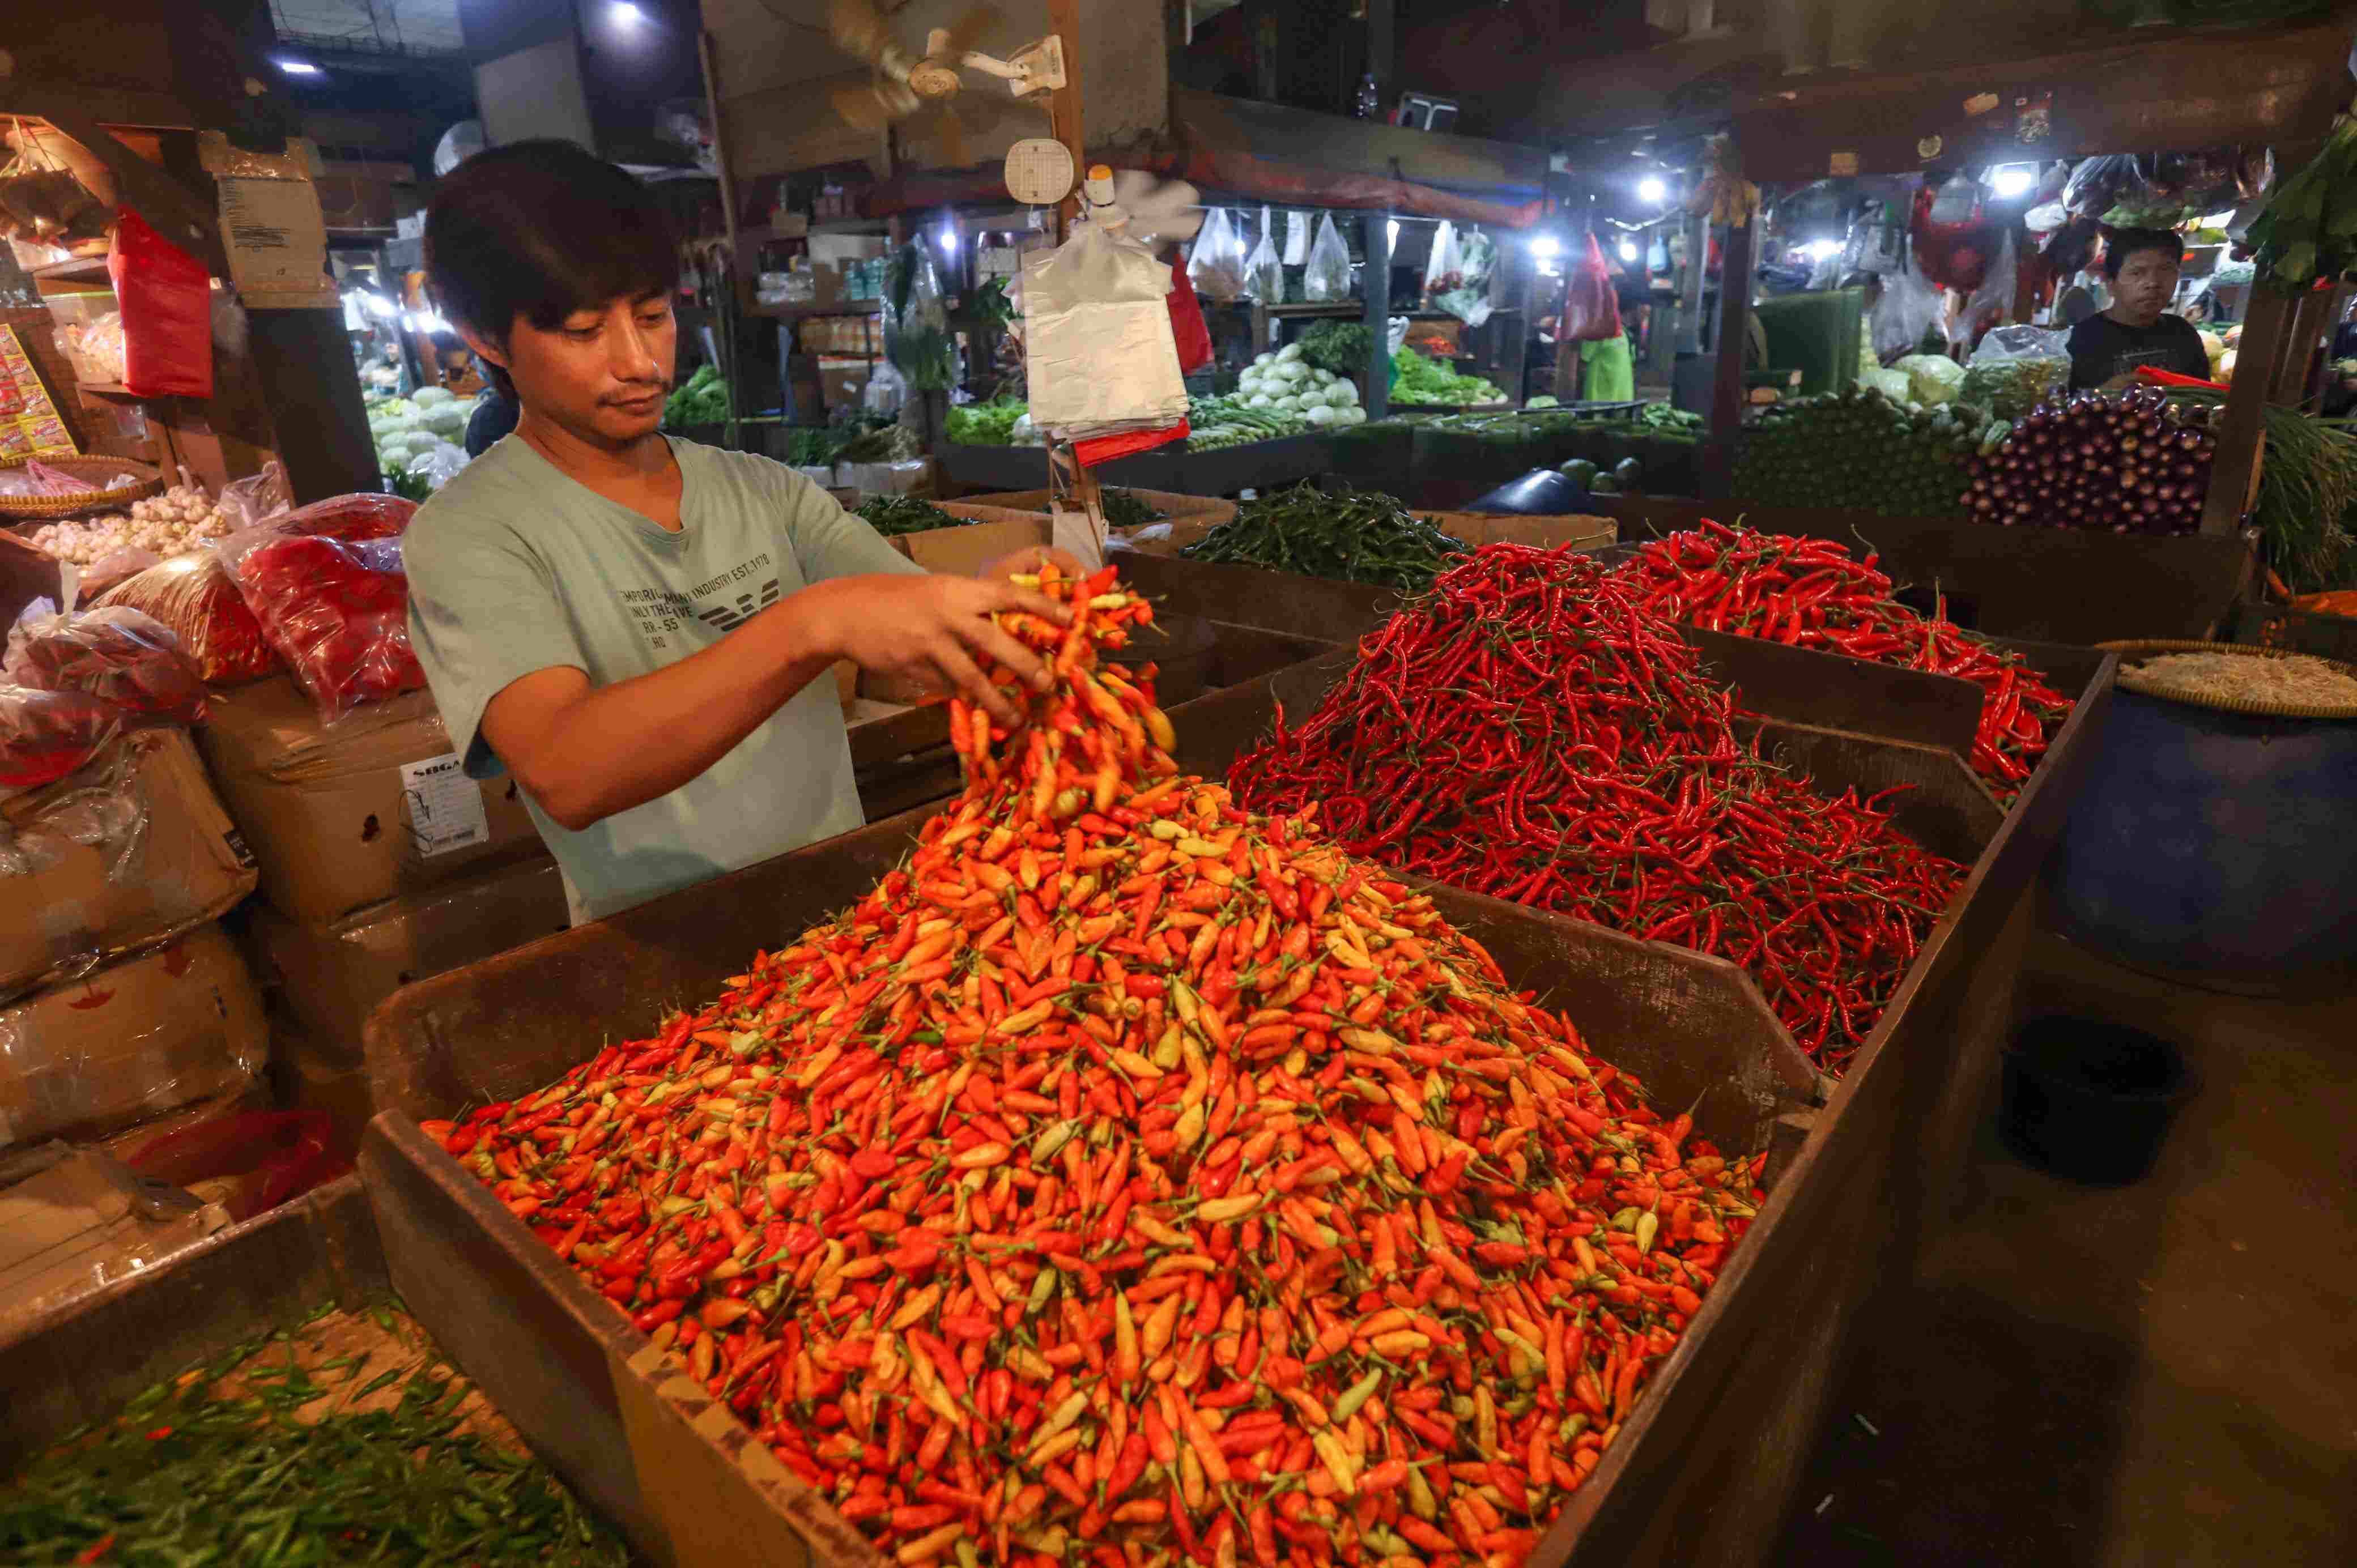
(2107, 349)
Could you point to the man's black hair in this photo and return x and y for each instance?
(2119, 244)
(542, 229)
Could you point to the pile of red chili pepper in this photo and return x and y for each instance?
(1530, 730)
(1127, 1173)
(1811, 592)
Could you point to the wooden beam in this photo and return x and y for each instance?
(1352, 147)
(2235, 468)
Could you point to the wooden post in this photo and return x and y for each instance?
(2288, 385)
(2235, 468)
(1730, 344)
(1376, 284)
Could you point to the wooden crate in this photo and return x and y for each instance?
(622, 1420)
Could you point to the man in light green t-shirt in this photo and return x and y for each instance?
(638, 629)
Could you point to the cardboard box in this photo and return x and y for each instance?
(68, 1229)
(345, 816)
(331, 976)
(959, 552)
(144, 1036)
(841, 381)
(162, 857)
(1208, 511)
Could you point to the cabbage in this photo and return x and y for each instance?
(1345, 394)
(1319, 415)
(1892, 384)
(1263, 361)
(1322, 377)
(426, 397)
(1292, 369)
(1260, 400)
(1289, 355)
(1931, 378)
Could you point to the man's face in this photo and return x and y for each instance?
(601, 374)
(2148, 281)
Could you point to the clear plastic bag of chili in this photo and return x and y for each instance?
(194, 595)
(119, 655)
(43, 735)
(337, 610)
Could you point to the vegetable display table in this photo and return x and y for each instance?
(1220, 472)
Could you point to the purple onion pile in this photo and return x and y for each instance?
(2129, 462)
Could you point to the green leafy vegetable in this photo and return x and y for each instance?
(1423, 381)
(985, 424)
(702, 399)
(891, 515)
(1123, 510)
(1338, 346)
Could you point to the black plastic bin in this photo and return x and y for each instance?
(2091, 1101)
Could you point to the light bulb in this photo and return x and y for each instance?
(1652, 190)
(2012, 180)
(1545, 245)
(1628, 250)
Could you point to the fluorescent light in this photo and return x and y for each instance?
(297, 67)
(949, 239)
(1652, 190)
(378, 304)
(2013, 179)
(628, 14)
(1628, 250)
(1391, 231)
(1545, 245)
(1821, 250)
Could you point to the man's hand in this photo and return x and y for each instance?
(934, 629)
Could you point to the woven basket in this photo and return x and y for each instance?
(98, 470)
(2130, 649)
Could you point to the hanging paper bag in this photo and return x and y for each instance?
(1328, 276)
(166, 298)
(1216, 265)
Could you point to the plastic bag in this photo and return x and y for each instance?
(117, 655)
(886, 392)
(43, 735)
(1458, 281)
(275, 1155)
(1216, 264)
(2099, 184)
(1957, 203)
(103, 807)
(916, 324)
(165, 296)
(2016, 368)
(1591, 306)
(1952, 255)
(1990, 303)
(336, 610)
(193, 596)
(1296, 238)
(1328, 273)
(1909, 308)
(1188, 333)
(1931, 378)
(260, 497)
(1263, 274)
(1098, 343)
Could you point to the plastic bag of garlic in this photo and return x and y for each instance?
(182, 519)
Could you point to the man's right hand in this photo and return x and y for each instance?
(932, 629)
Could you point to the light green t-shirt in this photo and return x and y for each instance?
(516, 567)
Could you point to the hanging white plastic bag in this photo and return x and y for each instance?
(1296, 238)
(1099, 354)
(1327, 275)
(1441, 267)
(1216, 265)
(1264, 274)
(1456, 274)
(1909, 307)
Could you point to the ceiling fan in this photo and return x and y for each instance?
(902, 86)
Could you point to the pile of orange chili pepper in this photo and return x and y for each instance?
(1127, 1173)
(1530, 731)
(1811, 592)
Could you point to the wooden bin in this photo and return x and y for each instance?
(623, 1422)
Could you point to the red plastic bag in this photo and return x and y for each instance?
(43, 735)
(336, 610)
(1954, 255)
(1591, 306)
(166, 298)
(118, 656)
(1187, 328)
(277, 1154)
(193, 596)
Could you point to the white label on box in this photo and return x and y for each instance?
(445, 806)
(277, 242)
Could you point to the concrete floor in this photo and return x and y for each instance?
(2159, 1374)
